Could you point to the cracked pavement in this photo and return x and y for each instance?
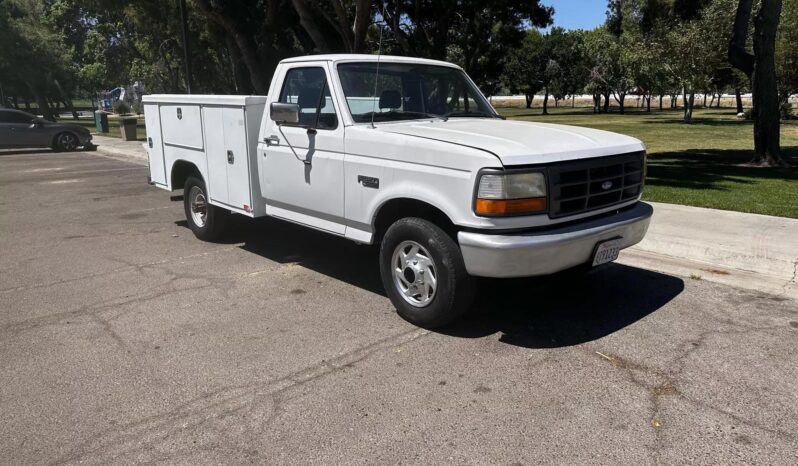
(123, 339)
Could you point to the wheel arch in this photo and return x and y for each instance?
(181, 170)
(400, 207)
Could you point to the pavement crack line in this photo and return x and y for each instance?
(666, 384)
(143, 435)
(127, 266)
(794, 276)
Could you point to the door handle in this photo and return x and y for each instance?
(272, 141)
(230, 157)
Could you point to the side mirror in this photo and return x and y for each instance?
(284, 113)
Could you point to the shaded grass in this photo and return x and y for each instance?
(698, 164)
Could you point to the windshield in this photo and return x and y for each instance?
(409, 91)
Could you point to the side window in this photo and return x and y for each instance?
(15, 117)
(308, 88)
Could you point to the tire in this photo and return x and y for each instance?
(207, 225)
(429, 258)
(65, 142)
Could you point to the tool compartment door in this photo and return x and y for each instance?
(157, 165)
(216, 184)
(237, 158)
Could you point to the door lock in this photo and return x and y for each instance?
(230, 157)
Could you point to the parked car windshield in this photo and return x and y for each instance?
(409, 91)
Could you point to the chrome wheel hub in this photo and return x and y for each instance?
(414, 273)
(198, 205)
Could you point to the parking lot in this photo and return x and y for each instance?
(125, 339)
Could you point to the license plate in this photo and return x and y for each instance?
(606, 251)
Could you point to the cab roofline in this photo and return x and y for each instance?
(346, 57)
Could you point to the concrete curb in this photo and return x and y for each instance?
(750, 251)
(132, 151)
(745, 250)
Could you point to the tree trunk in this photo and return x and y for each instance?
(607, 102)
(27, 103)
(15, 101)
(648, 103)
(246, 45)
(546, 102)
(573, 101)
(529, 98)
(689, 105)
(760, 67)
(620, 98)
(67, 101)
(596, 102)
(660, 101)
(738, 96)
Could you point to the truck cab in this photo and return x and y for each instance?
(407, 154)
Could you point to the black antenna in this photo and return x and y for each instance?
(377, 76)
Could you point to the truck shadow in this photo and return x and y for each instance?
(566, 309)
(543, 312)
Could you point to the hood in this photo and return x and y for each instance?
(69, 126)
(521, 142)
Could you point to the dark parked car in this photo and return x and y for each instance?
(20, 129)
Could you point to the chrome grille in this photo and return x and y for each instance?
(586, 185)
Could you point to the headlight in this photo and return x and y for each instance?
(511, 194)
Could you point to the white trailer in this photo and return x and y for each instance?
(218, 134)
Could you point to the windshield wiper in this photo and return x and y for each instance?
(446, 115)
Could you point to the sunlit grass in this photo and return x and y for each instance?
(697, 164)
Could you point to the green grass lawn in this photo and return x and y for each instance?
(697, 164)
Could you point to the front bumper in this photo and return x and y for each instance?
(548, 251)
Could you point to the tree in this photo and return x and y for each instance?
(336, 25)
(760, 67)
(567, 50)
(526, 66)
(787, 54)
(477, 34)
(34, 61)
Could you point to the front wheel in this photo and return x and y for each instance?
(423, 273)
(205, 220)
(65, 142)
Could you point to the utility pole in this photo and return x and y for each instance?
(184, 21)
(3, 101)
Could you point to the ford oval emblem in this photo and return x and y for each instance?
(606, 185)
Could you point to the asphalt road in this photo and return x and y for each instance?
(125, 339)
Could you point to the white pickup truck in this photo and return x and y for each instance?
(408, 154)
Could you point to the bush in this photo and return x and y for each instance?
(138, 108)
(121, 107)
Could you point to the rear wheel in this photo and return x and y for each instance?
(205, 220)
(423, 273)
(65, 142)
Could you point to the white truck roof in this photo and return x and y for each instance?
(204, 99)
(348, 57)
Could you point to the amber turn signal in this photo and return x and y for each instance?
(510, 206)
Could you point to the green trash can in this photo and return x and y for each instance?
(101, 121)
(127, 126)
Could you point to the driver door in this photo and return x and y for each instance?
(21, 130)
(302, 164)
